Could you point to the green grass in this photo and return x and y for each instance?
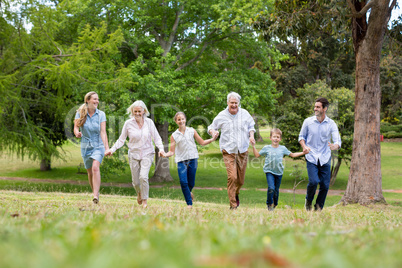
(67, 230)
(46, 224)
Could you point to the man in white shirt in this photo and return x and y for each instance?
(237, 131)
(315, 138)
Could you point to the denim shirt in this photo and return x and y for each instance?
(91, 130)
(316, 136)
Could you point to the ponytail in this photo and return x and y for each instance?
(83, 110)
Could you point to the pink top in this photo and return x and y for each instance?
(140, 139)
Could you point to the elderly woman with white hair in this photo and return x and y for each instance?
(141, 131)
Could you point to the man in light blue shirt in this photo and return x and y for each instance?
(315, 138)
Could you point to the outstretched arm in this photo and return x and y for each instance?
(171, 149)
(296, 154)
(256, 154)
(306, 149)
(205, 142)
(103, 135)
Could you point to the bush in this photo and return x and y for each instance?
(387, 127)
(392, 135)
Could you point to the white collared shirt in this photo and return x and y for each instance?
(316, 136)
(235, 129)
(186, 148)
(140, 139)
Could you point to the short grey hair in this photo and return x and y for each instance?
(234, 95)
(138, 103)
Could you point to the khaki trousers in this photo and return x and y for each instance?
(139, 174)
(236, 169)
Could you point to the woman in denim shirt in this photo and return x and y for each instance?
(90, 126)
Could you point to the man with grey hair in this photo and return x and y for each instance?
(237, 131)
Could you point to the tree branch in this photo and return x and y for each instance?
(174, 31)
(393, 4)
(363, 11)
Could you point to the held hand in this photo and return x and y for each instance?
(252, 140)
(306, 150)
(78, 134)
(162, 154)
(108, 153)
(333, 147)
(215, 135)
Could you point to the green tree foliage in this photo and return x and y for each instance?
(291, 115)
(39, 75)
(173, 55)
(304, 31)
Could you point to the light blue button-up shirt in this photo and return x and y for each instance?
(316, 136)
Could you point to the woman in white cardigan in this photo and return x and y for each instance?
(141, 131)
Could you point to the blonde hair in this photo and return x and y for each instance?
(83, 110)
(275, 131)
(177, 114)
(138, 103)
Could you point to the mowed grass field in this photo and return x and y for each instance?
(45, 224)
(66, 230)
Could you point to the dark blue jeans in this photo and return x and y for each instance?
(187, 170)
(274, 182)
(318, 174)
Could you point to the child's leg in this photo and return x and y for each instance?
(271, 188)
(182, 170)
(278, 180)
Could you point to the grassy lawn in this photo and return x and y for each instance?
(67, 230)
(211, 171)
(45, 224)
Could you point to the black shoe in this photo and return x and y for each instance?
(270, 207)
(317, 207)
(308, 205)
(237, 200)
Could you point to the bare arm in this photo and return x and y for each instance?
(77, 132)
(171, 149)
(256, 154)
(103, 135)
(205, 142)
(306, 149)
(296, 154)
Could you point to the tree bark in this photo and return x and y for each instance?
(334, 170)
(45, 165)
(257, 130)
(364, 184)
(162, 171)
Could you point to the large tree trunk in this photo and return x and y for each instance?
(364, 185)
(45, 165)
(162, 171)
